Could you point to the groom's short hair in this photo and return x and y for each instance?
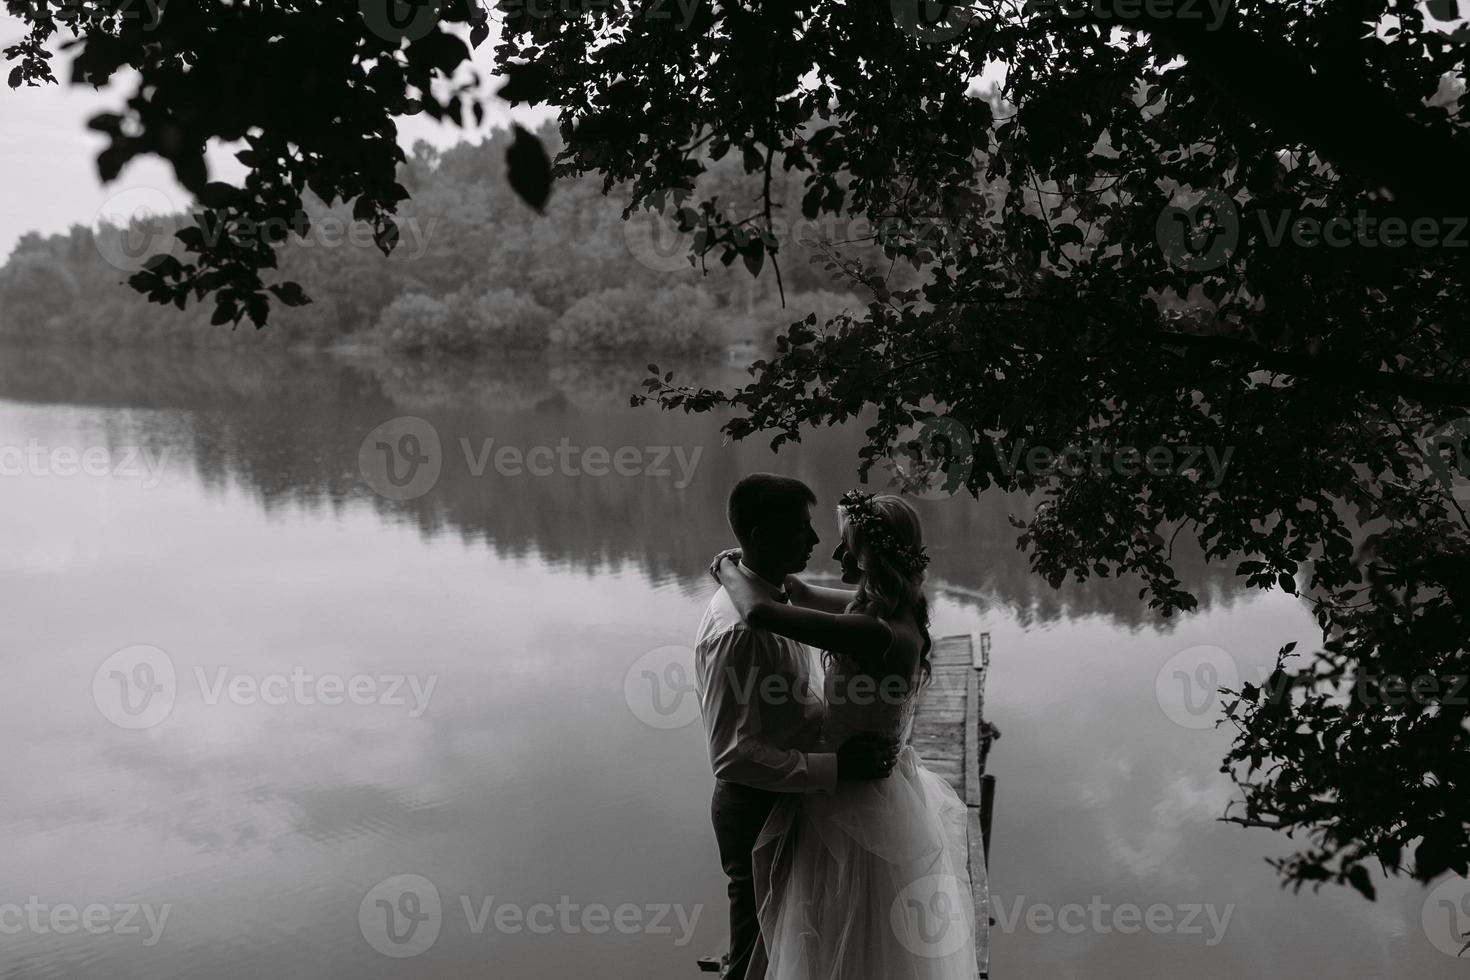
(760, 496)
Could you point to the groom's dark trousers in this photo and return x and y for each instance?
(739, 813)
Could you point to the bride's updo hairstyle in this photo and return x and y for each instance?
(885, 537)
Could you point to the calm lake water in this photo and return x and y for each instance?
(246, 691)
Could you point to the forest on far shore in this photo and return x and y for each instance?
(475, 271)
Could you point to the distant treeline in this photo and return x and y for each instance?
(475, 270)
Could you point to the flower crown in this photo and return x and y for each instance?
(858, 506)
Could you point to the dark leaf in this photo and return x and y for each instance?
(385, 235)
(529, 169)
(528, 83)
(290, 293)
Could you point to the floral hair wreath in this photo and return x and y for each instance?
(858, 506)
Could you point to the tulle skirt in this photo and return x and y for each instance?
(870, 882)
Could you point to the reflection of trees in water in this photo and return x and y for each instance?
(288, 428)
(511, 383)
(994, 573)
(413, 385)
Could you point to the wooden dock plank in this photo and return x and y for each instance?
(951, 736)
(972, 740)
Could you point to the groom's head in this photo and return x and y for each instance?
(772, 519)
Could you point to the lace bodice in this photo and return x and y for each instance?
(858, 703)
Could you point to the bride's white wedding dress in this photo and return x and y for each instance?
(870, 883)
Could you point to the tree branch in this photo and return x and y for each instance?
(1423, 390)
(1347, 119)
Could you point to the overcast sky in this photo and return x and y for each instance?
(48, 169)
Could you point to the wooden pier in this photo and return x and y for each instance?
(953, 738)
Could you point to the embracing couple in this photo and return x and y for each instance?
(832, 833)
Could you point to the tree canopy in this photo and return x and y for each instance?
(1180, 224)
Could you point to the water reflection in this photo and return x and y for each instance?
(262, 551)
(288, 429)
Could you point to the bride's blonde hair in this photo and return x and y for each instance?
(892, 583)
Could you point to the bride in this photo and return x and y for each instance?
(870, 883)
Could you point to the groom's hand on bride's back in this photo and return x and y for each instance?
(868, 755)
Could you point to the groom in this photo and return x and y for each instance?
(760, 698)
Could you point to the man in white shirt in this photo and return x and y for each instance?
(760, 696)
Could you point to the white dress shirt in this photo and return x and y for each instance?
(760, 696)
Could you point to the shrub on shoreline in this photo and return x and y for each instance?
(461, 323)
(678, 320)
